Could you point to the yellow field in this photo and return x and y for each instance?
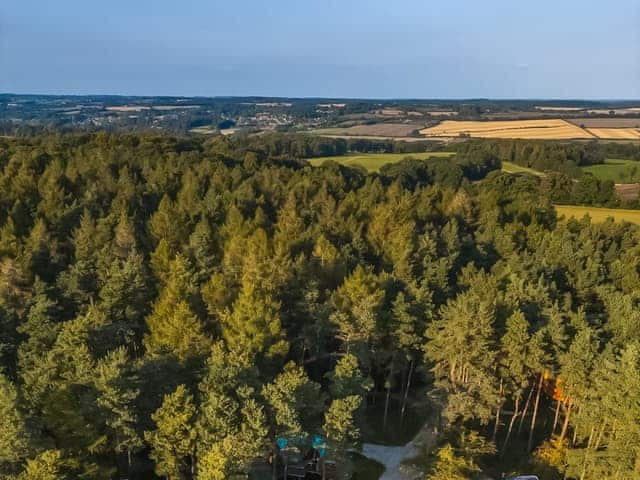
(599, 214)
(525, 129)
(616, 133)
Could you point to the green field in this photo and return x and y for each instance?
(620, 171)
(509, 167)
(372, 162)
(599, 214)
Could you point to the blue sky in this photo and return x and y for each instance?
(327, 48)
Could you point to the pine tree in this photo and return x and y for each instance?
(168, 224)
(231, 425)
(347, 379)
(253, 325)
(173, 326)
(117, 397)
(357, 303)
(48, 465)
(124, 298)
(295, 400)
(340, 424)
(14, 436)
(173, 442)
(460, 343)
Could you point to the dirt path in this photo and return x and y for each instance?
(392, 457)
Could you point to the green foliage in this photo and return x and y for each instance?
(135, 269)
(14, 436)
(174, 439)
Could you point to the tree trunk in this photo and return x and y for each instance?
(565, 424)
(511, 423)
(274, 463)
(586, 454)
(599, 439)
(555, 418)
(388, 397)
(535, 413)
(497, 424)
(526, 409)
(406, 391)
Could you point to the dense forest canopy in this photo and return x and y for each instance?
(171, 306)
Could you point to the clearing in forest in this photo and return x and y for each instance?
(546, 129)
(599, 215)
(372, 162)
(509, 167)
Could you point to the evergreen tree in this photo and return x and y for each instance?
(14, 436)
(173, 326)
(118, 393)
(173, 442)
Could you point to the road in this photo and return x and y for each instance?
(392, 457)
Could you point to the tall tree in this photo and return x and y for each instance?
(174, 439)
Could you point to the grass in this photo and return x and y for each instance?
(617, 170)
(372, 162)
(599, 214)
(396, 433)
(365, 468)
(509, 167)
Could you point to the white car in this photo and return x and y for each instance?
(524, 477)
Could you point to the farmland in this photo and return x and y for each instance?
(615, 133)
(373, 162)
(377, 129)
(523, 129)
(599, 214)
(619, 171)
(606, 122)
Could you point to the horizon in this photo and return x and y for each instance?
(362, 50)
(312, 97)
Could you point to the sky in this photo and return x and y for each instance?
(323, 48)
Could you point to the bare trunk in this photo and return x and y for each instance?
(526, 409)
(388, 397)
(511, 423)
(406, 391)
(599, 439)
(565, 424)
(555, 418)
(497, 424)
(535, 414)
(274, 463)
(586, 454)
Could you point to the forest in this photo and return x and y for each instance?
(172, 306)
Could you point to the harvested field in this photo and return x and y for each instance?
(525, 129)
(378, 137)
(617, 111)
(128, 108)
(442, 113)
(628, 191)
(175, 107)
(391, 112)
(559, 109)
(372, 162)
(598, 214)
(616, 133)
(606, 122)
(377, 129)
